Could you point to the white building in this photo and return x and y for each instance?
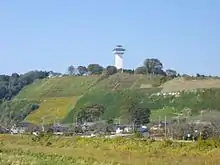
(118, 51)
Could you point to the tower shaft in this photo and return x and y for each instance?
(119, 52)
(119, 61)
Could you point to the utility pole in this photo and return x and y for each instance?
(159, 126)
(43, 124)
(76, 121)
(165, 126)
(133, 125)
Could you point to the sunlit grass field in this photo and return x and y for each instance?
(58, 87)
(81, 151)
(52, 109)
(160, 114)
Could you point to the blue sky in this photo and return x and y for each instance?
(53, 34)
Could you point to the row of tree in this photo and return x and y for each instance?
(150, 66)
(94, 69)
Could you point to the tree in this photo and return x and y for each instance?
(3, 91)
(153, 66)
(140, 70)
(71, 70)
(95, 68)
(111, 70)
(139, 114)
(90, 113)
(130, 71)
(11, 85)
(82, 70)
(171, 73)
(200, 75)
(16, 75)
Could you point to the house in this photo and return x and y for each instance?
(22, 127)
(199, 122)
(119, 130)
(123, 129)
(53, 74)
(86, 74)
(59, 129)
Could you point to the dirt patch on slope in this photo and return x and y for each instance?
(180, 84)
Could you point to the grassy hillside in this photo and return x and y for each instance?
(16, 110)
(52, 110)
(180, 84)
(61, 98)
(58, 87)
(129, 81)
(77, 86)
(59, 95)
(117, 103)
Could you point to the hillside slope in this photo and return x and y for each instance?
(52, 109)
(58, 96)
(58, 87)
(180, 84)
(16, 110)
(61, 98)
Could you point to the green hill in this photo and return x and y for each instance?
(58, 87)
(52, 110)
(57, 96)
(61, 98)
(16, 110)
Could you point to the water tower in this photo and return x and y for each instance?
(118, 52)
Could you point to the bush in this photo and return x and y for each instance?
(138, 134)
(34, 107)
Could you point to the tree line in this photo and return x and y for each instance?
(11, 85)
(150, 66)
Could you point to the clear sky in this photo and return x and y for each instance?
(53, 34)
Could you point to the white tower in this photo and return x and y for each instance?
(118, 52)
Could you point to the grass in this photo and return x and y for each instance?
(60, 94)
(180, 84)
(128, 81)
(58, 87)
(16, 109)
(53, 109)
(101, 151)
(167, 112)
(77, 86)
(116, 103)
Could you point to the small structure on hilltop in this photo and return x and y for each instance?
(54, 74)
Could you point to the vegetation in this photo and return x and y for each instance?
(58, 87)
(116, 103)
(196, 101)
(48, 150)
(11, 85)
(52, 110)
(65, 97)
(17, 110)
